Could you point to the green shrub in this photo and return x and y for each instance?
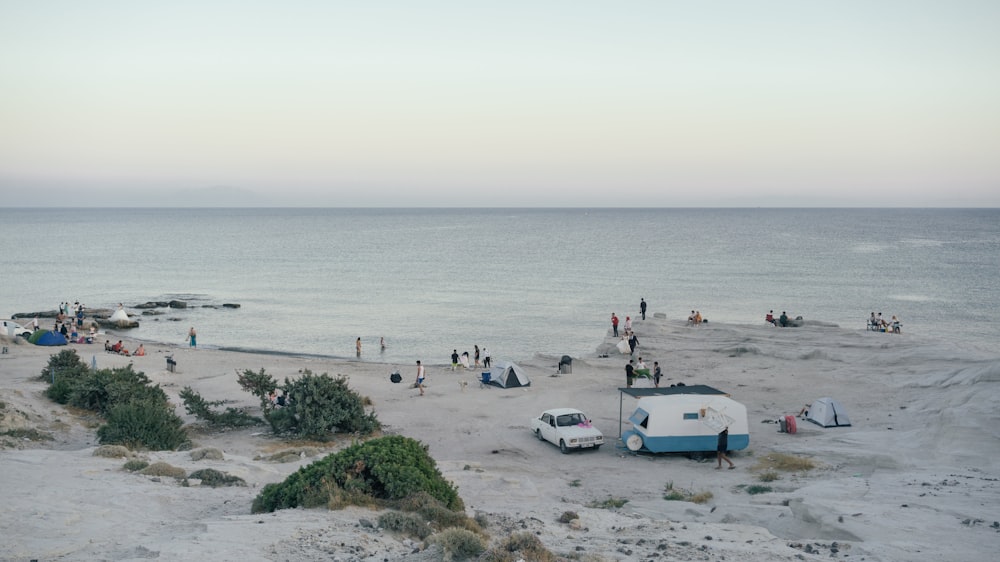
(757, 489)
(135, 465)
(318, 406)
(63, 372)
(202, 409)
(259, 384)
(143, 424)
(409, 524)
(388, 468)
(458, 544)
(102, 389)
(65, 364)
(216, 478)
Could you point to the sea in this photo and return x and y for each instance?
(520, 282)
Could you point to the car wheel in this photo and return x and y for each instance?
(538, 434)
(597, 447)
(563, 447)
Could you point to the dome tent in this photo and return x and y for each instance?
(508, 375)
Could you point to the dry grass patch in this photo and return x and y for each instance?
(783, 462)
(164, 469)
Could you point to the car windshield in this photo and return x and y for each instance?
(569, 419)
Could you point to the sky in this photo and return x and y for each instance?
(846, 103)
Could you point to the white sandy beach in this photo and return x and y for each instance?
(917, 476)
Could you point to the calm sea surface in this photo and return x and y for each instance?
(518, 281)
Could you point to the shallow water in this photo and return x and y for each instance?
(517, 281)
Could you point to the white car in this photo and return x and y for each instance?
(13, 329)
(568, 428)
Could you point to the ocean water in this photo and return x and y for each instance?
(518, 281)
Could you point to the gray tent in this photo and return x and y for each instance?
(508, 375)
(827, 412)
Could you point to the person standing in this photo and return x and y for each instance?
(357, 345)
(381, 342)
(629, 374)
(657, 373)
(721, 449)
(628, 325)
(614, 323)
(420, 377)
(192, 337)
(642, 307)
(486, 357)
(454, 359)
(477, 355)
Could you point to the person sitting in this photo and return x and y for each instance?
(139, 351)
(770, 318)
(872, 324)
(107, 346)
(117, 348)
(691, 318)
(697, 317)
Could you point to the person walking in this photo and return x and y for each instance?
(420, 377)
(642, 307)
(721, 449)
(657, 373)
(192, 337)
(633, 342)
(614, 323)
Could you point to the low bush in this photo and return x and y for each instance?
(769, 476)
(610, 503)
(164, 469)
(409, 524)
(384, 469)
(458, 544)
(518, 546)
(757, 489)
(135, 465)
(216, 479)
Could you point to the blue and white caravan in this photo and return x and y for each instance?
(682, 423)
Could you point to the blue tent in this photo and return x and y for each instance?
(50, 338)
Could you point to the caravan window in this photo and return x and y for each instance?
(691, 415)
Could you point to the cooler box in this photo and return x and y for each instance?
(486, 377)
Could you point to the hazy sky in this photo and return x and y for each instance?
(513, 103)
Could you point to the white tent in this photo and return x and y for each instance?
(508, 375)
(827, 412)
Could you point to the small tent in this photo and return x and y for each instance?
(46, 337)
(827, 412)
(508, 375)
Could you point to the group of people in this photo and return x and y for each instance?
(120, 349)
(635, 369)
(779, 321)
(878, 324)
(695, 317)
(479, 358)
